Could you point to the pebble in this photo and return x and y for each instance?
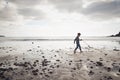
(99, 64)
(91, 73)
(58, 60)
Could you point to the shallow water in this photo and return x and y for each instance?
(61, 42)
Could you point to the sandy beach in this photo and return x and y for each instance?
(37, 63)
(38, 39)
(59, 39)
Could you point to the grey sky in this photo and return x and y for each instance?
(103, 9)
(59, 17)
(67, 5)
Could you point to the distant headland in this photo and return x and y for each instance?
(2, 36)
(116, 35)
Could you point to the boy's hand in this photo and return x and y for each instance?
(81, 39)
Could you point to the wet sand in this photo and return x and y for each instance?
(37, 63)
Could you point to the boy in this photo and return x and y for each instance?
(77, 43)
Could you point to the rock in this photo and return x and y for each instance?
(58, 60)
(91, 67)
(50, 72)
(44, 69)
(51, 66)
(116, 49)
(58, 66)
(10, 68)
(29, 50)
(116, 35)
(108, 69)
(1, 64)
(119, 70)
(45, 62)
(80, 60)
(43, 56)
(38, 46)
(99, 64)
(42, 53)
(57, 51)
(88, 59)
(35, 72)
(92, 61)
(47, 76)
(34, 64)
(41, 73)
(100, 59)
(23, 58)
(10, 50)
(109, 78)
(74, 68)
(91, 73)
(69, 63)
(55, 63)
(8, 78)
(32, 42)
(21, 64)
(3, 69)
(37, 61)
(106, 54)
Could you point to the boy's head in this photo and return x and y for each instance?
(79, 34)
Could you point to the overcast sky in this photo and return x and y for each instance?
(59, 17)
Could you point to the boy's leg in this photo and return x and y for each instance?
(75, 49)
(80, 48)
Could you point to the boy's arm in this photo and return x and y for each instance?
(81, 39)
(74, 40)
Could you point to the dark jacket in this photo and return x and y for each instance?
(76, 40)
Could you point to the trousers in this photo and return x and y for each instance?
(78, 46)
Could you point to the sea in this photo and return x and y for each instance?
(61, 42)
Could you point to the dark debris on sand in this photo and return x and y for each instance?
(45, 68)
